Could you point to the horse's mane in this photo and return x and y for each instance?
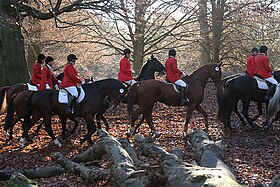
(144, 67)
(202, 68)
(110, 82)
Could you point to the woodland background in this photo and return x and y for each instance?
(202, 32)
(208, 31)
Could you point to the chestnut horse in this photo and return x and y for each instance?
(150, 91)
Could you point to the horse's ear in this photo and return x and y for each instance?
(220, 65)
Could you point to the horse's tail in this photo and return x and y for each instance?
(224, 100)
(10, 114)
(3, 102)
(132, 98)
(274, 107)
(28, 109)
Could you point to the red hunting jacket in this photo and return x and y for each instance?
(251, 68)
(263, 67)
(47, 78)
(172, 71)
(125, 73)
(70, 77)
(36, 74)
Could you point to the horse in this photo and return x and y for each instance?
(242, 88)
(16, 106)
(147, 72)
(10, 91)
(150, 91)
(149, 68)
(273, 109)
(95, 93)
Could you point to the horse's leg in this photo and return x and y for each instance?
(38, 128)
(259, 105)
(149, 118)
(138, 125)
(48, 128)
(245, 109)
(9, 136)
(91, 129)
(235, 109)
(134, 117)
(63, 125)
(76, 124)
(100, 116)
(190, 110)
(26, 127)
(205, 115)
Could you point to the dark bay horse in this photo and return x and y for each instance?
(95, 92)
(147, 72)
(150, 91)
(15, 112)
(149, 68)
(242, 88)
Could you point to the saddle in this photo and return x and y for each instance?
(176, 87)
(64, 94)
(32, 87)
(262, 83)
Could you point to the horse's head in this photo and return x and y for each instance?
(215, 73)
(156, 64)
(116, 95)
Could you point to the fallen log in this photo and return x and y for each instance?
(32, 173)
(122, 173)
(179, 173)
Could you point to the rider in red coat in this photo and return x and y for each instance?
(174, 74)
(47, 76)
(71, 81)
(37, 70)
(125, 73)
(251, 68)
(265, 71)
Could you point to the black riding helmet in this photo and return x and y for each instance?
(125, 51)
(263, 49)
(41, 57)
(255, 50)
(172, 52)
(48, 59)
(71, 57)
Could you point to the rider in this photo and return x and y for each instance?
(37, 70)
(173, 74)
(251, 68)
(71, 81)
(265, 71)
(125, 73)
(47, 76)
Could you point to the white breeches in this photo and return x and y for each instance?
(72, 90)
(130, 82)
(180, 82)
(272, 80)
(48, 87)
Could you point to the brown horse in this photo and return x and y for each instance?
(150, 91)
(15, 112)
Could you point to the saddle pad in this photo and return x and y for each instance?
(31, 87)
(261, 83)
(174, 86)
(63, 96)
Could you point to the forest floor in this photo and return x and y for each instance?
(252, 155)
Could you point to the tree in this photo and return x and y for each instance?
(12, 53)
(147, 27)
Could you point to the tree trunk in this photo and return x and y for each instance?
(204, 34)
(12, 56)
(218, 10)
(18, 180)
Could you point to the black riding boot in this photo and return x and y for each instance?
(270, 92)
(70, 103)
(184, 98)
